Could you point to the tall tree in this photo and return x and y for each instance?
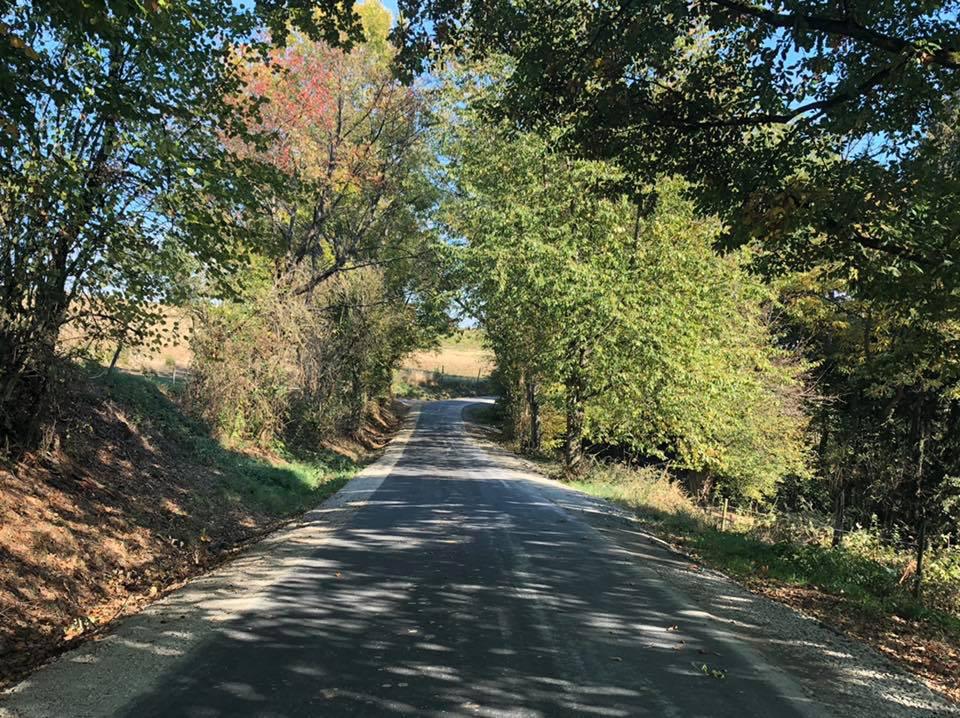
(357, 275)
(116, 181)
(34, 34)
(626, 320)
(346, 141)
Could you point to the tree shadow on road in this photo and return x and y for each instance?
(460, 588)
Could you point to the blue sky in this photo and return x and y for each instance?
(391, 5)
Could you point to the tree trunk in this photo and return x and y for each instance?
(360, 399)
(533, 406)
(116, 356)
(839, 505)
(921, 507)
(573, 437)
(921, 548)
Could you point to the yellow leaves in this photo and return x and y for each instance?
(707, 670)
(79, 626)
(376, 20)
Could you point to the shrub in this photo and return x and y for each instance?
(278, 365)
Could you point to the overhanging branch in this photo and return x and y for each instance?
(845, 27)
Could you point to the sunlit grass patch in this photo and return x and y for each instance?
(867, 581)
(280, 484)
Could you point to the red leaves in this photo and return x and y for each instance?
(323, 109)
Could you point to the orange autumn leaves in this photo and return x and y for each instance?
(328, 115)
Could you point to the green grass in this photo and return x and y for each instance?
(295, 483)
(867, 585)
(446, 388)
(491, 414)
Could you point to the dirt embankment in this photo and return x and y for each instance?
(133, 501)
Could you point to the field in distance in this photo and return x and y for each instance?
(462, 354)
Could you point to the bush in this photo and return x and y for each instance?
(651, 492)
(942, 580)
(278, 365)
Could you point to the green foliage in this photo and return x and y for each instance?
(117, 187)
(628, 317)
(825, 139)
(351, 279)
(168, 147)
(31, 34)
(729, 93)
(277, 365)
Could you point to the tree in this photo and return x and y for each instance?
(357, 277)
(733, 95)
(624, 319)
(674, 67)
(822, 134)
(33, 36)
(343, 135)
(117, 184)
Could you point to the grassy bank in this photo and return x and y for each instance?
(132, 498)
(279, 484)
(420, 384)
(867, 575)
(856, 588)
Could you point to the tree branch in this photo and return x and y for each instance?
(821, 106)
(844, 27)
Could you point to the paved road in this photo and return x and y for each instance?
(443, 582)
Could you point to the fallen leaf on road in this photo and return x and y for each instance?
(711, 672)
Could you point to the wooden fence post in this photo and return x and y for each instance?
(723, 515)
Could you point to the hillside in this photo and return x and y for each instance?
(135, 498)
(462, 355)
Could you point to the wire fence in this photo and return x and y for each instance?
(725, 516)
(169, 374)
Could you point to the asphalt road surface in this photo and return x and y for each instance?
(446, 581)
